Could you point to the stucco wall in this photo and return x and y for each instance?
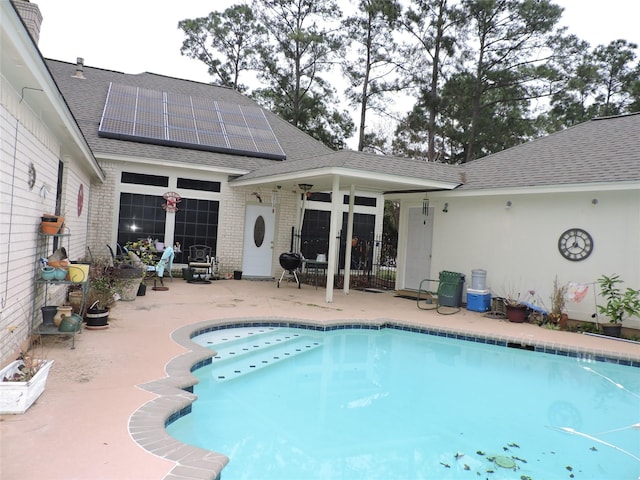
(518, 246)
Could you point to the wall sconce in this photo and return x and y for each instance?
(508, 205)
(445, 208)
(594, 202)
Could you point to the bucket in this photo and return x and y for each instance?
(78, 272)
(478, 279)
(237, 274)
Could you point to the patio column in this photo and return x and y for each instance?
(332, 260)
(349, 236)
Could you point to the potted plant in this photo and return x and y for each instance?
(558, 314)
(23, 380)
(516, 310)
(142, 255)
(102, 295)
(618, 303)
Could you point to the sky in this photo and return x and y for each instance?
(135, 36)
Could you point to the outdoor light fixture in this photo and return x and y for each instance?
(445, 208)
(594, 202)
(305, 187)
(508, 205)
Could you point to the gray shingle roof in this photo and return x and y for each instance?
(600, 150)
(378, 164)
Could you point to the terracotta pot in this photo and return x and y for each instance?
(517, 313)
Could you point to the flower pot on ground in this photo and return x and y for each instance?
(102, 291)
(517, 313)
(127, 279)
(22, 384)
(96, 316)
(558, 314)
(618, 303)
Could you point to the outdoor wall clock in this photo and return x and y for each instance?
(575, 244)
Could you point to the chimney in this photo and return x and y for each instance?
(31, 16)
(79, 68)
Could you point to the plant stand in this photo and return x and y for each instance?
(17, 397)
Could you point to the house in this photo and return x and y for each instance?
(45, 165)
(510, 214)
(125, 156)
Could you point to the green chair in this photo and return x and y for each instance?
(444, 292)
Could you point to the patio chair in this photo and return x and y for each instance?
(444, 292)
(120, 255)
(200, 260)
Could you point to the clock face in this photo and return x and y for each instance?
(575, 244)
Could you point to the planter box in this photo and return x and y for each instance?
(17, 397)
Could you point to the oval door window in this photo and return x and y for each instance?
(258, 231)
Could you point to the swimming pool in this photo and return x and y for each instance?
(358, 403)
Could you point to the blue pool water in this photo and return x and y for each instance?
(286, 403)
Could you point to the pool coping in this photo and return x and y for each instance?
(147, 425)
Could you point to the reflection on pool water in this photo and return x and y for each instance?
(288, 403)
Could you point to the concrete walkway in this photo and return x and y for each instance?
(79, 427)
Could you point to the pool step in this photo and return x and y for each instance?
(221, 339)
(239, 360)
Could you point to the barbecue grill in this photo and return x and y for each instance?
(290, 262)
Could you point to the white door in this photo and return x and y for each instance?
(419, 243)
(259, 225)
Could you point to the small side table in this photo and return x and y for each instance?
(316, 266)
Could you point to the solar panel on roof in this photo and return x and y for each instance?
(167, 118)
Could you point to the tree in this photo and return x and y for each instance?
(370, 71)
(505, 61)
(226, 42)
(615, 65)
(572, 84)
(430, 25)
(301, 46)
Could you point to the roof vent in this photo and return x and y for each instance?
(79, 68)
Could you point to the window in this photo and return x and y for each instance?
(197, 223)
(144, 179)
(141, 216)
(193, 184)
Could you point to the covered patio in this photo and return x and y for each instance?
(353, 170)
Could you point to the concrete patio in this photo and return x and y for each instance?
(79, 427)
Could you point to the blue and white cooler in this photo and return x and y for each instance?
(478, 296)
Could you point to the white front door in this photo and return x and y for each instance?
(259, 225)
(419, 243)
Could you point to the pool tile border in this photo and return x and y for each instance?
(147, 425)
